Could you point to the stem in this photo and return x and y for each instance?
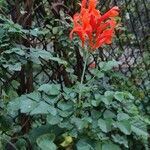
(82, 77)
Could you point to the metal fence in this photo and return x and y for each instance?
(133, 41)
(131, 46)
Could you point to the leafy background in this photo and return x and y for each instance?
(40, 72)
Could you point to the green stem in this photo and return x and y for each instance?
(82, 77)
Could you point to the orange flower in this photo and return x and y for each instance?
(93, 27)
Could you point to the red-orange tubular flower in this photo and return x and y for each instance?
(93, 27)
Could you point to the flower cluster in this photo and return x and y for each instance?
(93, 27)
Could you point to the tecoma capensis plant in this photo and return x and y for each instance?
(93, 28)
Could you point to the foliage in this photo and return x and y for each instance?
(43, 105)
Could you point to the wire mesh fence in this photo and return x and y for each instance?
(131, 46)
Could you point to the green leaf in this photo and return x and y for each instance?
(95, 103)
(64, 114)
(45, 142)
(31, 103)
(83, 145)
(109, 114)
(108, 97)
(35, 54)
(21, 144)
(105, 125)
(139, 128)
(66, 125)
(97, 100)
(13, 106)
(53, 119)
(15, 84)
(120, 96)
(55, 30)
(34, 108)
(35, 96)
(59, 60)
(98, 145)
(97, 73)
(106, 66)
(65, 105)
(13, 67)
(110, 146)
(43, 108)
(120, 140)
(79, 123)
(27, 105)
(38, 131)
(124, 126)
(50, 89)
(18, 51)
(12, 94)
(122, 116)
